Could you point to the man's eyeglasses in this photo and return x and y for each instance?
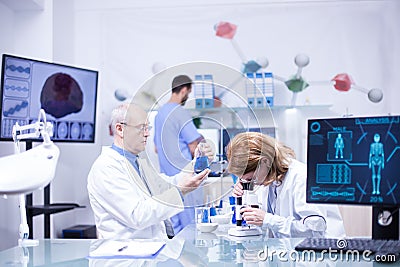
(141, 128)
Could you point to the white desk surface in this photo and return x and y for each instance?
(188, 248)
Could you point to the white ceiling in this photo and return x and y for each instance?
(118, 4)
(23, 5)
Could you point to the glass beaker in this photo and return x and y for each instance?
(202, 215)
(201, 160)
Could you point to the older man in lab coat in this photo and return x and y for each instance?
(128, 197)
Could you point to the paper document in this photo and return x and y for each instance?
(127, 249)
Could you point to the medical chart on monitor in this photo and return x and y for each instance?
(354, 160)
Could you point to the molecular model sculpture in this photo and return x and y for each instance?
(341, 82)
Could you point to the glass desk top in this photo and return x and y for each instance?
(188, 248)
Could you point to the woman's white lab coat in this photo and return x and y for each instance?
(122, 206)
(293, 216)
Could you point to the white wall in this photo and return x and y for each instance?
(123, 39)
(8, 207)
(339, 36)
(357, 37)
(46, 31)
(34, 40)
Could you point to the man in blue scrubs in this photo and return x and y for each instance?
(175, 131)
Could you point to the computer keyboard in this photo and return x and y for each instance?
(373, 245)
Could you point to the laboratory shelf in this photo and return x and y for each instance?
(52, 208)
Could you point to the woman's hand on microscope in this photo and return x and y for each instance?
(237, 190)
(253, 216)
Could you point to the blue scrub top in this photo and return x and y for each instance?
(173, 131)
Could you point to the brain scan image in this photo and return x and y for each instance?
(61, 95)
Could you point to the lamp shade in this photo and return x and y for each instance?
(30, 170)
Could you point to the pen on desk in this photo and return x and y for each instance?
(121, 249)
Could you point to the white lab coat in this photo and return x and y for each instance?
(291, 208)
(122, 206)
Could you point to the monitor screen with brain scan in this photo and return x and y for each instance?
(67, 94)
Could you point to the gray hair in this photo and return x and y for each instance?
(118, 114)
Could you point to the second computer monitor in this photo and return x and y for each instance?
(354, 161)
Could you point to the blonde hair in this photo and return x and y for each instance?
(245, 151)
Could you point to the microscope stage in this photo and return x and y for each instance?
(244, 231)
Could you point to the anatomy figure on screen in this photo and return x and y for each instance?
(339, 145)
(376, 163)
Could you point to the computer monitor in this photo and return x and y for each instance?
(67, 94)
(356, 161)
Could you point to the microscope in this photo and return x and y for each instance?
(247, 199)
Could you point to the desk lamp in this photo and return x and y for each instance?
(25, 172)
